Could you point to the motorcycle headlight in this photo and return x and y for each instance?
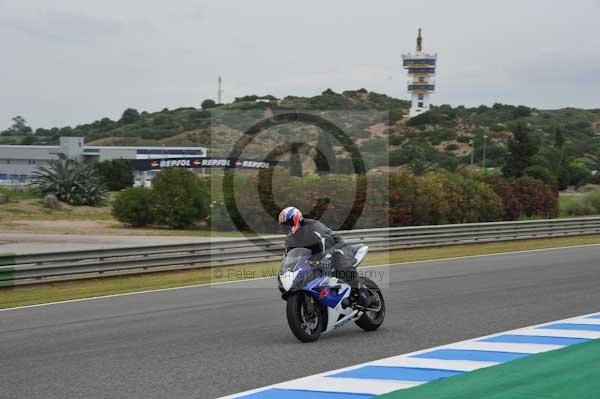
(286, 280)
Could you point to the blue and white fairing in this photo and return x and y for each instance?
(296, 273)
(330, 292)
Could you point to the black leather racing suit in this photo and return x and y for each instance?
(319, 238)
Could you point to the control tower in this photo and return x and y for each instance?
(421, 68)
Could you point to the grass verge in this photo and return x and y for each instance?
(570, 372)
(61, 291)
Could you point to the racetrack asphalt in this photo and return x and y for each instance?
(205, 342)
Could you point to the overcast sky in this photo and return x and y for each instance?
(66, 62)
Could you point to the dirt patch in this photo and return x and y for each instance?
(362, 141)
(28, 206)
(462, 150)
(379, 130)
(98, 227)
(63, 227)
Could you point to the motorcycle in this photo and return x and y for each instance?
(318, 302)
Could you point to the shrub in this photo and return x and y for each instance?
(392, 199)
(70, 181)
(448, 161)
(592, 200)
(539, 172)
(522, 146)
(396, 115)
(376, 145)
(452, 198)
(521, 111)
(395, 158)
(578, 208)
(208, 103)
(491, 206)
(295, 164)
(432, 202)
(130, 115)
(313, 193)
(116, 174)
(512, 208)
(421, 120)
(328, 198)
(472, 201)
(588, 188)
(376, 211)
(134, 206)
(181, 199)
(579, 174)
(480, 202)
(402, 196)
(396, 139)
(536, 198)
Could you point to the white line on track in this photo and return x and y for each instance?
(266, 278)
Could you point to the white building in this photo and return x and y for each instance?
(18, 162)
(421, 68)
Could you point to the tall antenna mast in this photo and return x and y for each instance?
(220, 91)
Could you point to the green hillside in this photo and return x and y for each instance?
(566, 142)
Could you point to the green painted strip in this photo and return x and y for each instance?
(571, 372)
(7, 259)
(7, 274)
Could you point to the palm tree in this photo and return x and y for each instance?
(70, 181)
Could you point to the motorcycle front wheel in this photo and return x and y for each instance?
(304, 317)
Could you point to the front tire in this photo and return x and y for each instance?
(371, 320)
(304, 317)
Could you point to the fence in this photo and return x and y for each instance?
(55, 266)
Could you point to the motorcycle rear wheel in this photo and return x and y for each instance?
(304, 317)
(370, 320)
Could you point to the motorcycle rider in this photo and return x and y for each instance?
(315, 236)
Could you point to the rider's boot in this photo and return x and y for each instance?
(353, 298)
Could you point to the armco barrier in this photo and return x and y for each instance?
(55, 266)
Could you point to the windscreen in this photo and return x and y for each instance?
(292, 258)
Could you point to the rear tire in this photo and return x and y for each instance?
(305, 325)
(370, 320)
